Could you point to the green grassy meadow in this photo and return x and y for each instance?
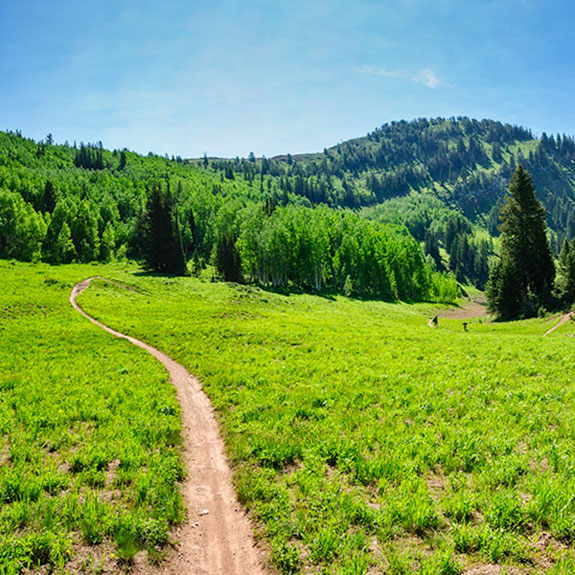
(366, 442)
(363, 441)
(89, 434)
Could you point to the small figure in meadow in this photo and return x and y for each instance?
(464, 326)
(434, 321)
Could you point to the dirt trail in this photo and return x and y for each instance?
(564, 319)
(217, 537)
(473, 307)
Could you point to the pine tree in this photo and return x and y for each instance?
(49, 199)
(160, 242)
(228, 260)
(566, 273)
(431, 248)
(526, 265)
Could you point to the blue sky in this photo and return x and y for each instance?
(188, 77)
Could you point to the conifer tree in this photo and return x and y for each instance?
(566, 273)
(523, 279)
(160, 239)
(228, 261)
(49, 199)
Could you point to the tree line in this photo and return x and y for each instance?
(466, 163)
(63, 203)
(326, 250)
(66, 204)
(524, 279)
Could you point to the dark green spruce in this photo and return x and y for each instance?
(160, 238)
(522, 281)
(565, 284)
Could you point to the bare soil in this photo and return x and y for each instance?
(564, 319)
(473, 307)
(216, 537)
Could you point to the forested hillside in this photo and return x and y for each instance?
(257, 219)
(63, 203)
(465, 163)
(443, 178)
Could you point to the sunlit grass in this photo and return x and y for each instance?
(89, 432)
(363, 439)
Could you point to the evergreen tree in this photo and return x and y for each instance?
(566, 273)
(123, 160)
(228, 260)
(431, 248)
(526, 265)
(49, 199)
(503, 290)
(160, 242)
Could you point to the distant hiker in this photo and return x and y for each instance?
(464, 326)
(434, 321)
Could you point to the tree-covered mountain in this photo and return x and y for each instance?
(442, 179)
(464, 163)
(62, 203)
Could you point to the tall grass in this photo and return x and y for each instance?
(89, 432)
(364, 441)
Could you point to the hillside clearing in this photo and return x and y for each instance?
(216, 537)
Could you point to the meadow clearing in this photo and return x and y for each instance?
(89, 435)
(363, 441)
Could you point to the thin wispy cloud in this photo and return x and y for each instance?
(424, 76)
(427, 78)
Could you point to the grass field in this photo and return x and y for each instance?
(89, 434)
(364, 441)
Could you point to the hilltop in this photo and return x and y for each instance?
(442, 179)
(464, 163)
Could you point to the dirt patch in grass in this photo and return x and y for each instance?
(474, 307)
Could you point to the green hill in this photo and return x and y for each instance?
(464, 163)
(443, 180)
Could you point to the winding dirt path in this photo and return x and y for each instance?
(564, 319)
(216, 538)
(472, 307)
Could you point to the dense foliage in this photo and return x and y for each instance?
(565, 281)
(158, 240)
(523, 278)
(464, 163)
(62, 204)
(443, 179)
(342, 252)
(424, 173)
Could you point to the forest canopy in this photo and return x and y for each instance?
(62, 203)
(388, 215)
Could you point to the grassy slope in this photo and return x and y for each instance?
(89, 433)
(366, 441)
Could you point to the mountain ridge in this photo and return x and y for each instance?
(442, 179)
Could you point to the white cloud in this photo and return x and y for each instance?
(425, 76)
